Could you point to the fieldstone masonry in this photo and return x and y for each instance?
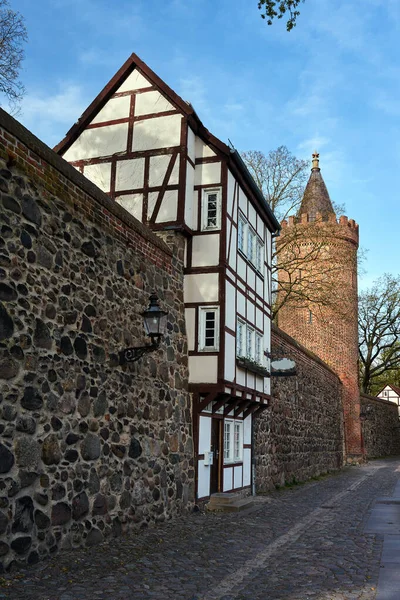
(301, 434)
(380, 427)
(88, 448)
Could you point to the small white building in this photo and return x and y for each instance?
(147, 148)
(392, 393)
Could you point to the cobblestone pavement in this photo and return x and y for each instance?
(301, 543)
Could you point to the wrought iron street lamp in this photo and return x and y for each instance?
(154, 321)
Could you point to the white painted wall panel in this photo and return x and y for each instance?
(228, 479)
(233, 249)
(100, 175)
(243, 201)
(204, 446)
(203, 369)
(191, 145)
(169, 207)
(267, 385)
(252, 216)
(251, 279)
(202, 287)
(133, 203)
(195, 213)
(135, 81)
(158, 169)
(189, 212)
(230, 357)
(260, 227)
(240, 376)
(251, 312)
(237, 477)
(208, 174)
(231, 189)
(230, 303)
(259, 286)
(251, 380)
(129, 174)
(101, 141)
(116, 108)
(160, 132)
(241, 304)
(241, 267)
(190, 319)
(205, 250)
(202, 150)
(246, 467)
(259, 384)
(247, 430)
(151, 102)
(259, 319)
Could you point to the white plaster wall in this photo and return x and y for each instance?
(202, 287)
(203, 369)
(251, 380)
(204, 446)
(158, 168)
(134, 81)
(260, 286)
(230, 357)
(195, 212)
(260, 227)
(246, 466)
(251, 312)
(243, 202)
(228, 479)
(129, 174)
(241, 305)
(259, 318)
(208, 174)
(202, 150)
(267, 385)
(240, 376)
(169, 207)
(251, 278)
(237, 477)
(99, 142)
(151, 102)
(190, 214)
(116, 108)
(205, 250)
(247, 430)
(190, 319)
(241, 267)
(159, 132)
(231, 188)
(99, 174)
(252, 216)
(133, 203)
(230, 303)
(233, 249)
(191, 145)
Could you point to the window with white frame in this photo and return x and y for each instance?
(259, 349)
(250, 244)
(249, 342)
(233, 441)
(240, 333)
(211, 209)
(208, 328)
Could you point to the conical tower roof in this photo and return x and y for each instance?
(316, 197)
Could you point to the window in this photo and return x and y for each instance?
(249, 341)
(208, 328)
(310, 317)
(259, 349)
(211, 209)
(250, 244)
(240, 329)
(233, 441)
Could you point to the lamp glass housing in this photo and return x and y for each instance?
(154, 319)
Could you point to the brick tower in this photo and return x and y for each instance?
(323, 253)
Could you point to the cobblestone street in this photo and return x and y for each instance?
(304, 542)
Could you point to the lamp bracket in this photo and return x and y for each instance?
(133, 354)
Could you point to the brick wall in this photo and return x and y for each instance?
(381, 427)
(301, 434)
(88, 448)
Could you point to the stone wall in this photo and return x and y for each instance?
(88, 448)
(381, 427)
(301, 434)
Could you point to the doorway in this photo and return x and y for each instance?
(215, 472)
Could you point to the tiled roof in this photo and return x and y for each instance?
(316, 196)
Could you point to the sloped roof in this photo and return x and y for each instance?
(234, 159)
(316, 197)
(395, 389)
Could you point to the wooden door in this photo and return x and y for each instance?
(215, 469)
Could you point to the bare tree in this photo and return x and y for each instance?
(13, 35)
(379, 330)
(278, 8)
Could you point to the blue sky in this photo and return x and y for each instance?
(332, 84)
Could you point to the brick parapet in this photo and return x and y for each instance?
(344, 228)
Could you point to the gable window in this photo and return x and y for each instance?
(208, 328)
(211, 210)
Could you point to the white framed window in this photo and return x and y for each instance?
(259, 351)
(259, 256)
(208, 328)
(233, 441)
(211, 209)
(249, 342)
(250, 244)
(241, 234)
(240, 333)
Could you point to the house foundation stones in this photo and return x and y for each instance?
(88, 449)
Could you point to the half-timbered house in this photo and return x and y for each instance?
(147, 148)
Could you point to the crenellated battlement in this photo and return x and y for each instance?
(347, 228)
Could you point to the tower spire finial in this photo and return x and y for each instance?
(315, 160)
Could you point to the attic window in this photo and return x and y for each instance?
(211, 209)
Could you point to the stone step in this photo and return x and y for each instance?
(231, 506)
(224, 498)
